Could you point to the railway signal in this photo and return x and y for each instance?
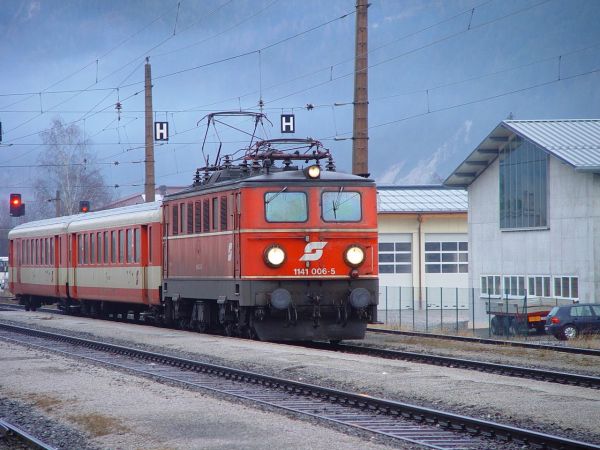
(17, 207)
(84, 206)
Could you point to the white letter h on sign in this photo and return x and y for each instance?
(287, 123)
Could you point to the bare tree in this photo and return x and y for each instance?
(67, 167)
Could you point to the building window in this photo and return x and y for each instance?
(514, 285)
(395, 257)
(523, 185)
(490, 285)
(539, 287)
(446, 257)
(566, 287)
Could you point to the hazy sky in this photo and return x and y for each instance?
(443, 74)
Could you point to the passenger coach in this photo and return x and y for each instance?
(94, 261)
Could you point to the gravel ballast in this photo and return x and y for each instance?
(111, 409)
(526, 403)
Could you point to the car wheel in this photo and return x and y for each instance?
(569, 332)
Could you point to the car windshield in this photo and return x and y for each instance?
(282, 206)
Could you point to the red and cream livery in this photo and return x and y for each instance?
(93, 261)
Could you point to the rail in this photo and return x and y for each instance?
(412, 423)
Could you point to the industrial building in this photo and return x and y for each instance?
(423, 240)
(534, 210)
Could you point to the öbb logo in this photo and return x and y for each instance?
(313, 251)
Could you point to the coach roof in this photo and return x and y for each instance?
(108, 218)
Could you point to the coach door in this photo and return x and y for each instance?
(141, 245)
(55, 255)
(72, 266)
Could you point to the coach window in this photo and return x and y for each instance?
(52, 251)
(129, 245)
(99, 248)
(105, 247)
(113, 247)
(92, 248)
(86, 249)
(121, 245)
(285, 206)
(175, 229)
(136, 243)
(79, 249)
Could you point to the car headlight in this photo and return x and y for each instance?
(354, 255)
(274, 256)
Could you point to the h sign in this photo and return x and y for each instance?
(288, 123)
(161, 131)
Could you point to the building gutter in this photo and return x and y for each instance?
(420, 220)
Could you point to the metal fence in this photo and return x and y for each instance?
(463, 311)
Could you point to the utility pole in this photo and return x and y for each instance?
(149, 180)
(360, 130)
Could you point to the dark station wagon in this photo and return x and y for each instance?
(568, 322)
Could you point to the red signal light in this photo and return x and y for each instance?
(17, 207)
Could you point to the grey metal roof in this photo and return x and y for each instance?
(575, 142)
(418, 199)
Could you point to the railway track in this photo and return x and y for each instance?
(500, 342)
(15, 437)
(445, 361)
(415, 424)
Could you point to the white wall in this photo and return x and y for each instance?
(570, 246)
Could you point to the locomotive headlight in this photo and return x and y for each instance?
(274, 256)
(354, 255)
(313, 171)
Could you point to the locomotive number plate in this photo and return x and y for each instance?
(305, 271)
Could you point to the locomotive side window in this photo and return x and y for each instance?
(341, 206)
(190, 218)
(175, 230)
(181, 217)
(215, 214)
(223, 213)
(197, 217)
(284, 206)
(205, 215)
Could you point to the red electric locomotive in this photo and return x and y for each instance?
(262, 247)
